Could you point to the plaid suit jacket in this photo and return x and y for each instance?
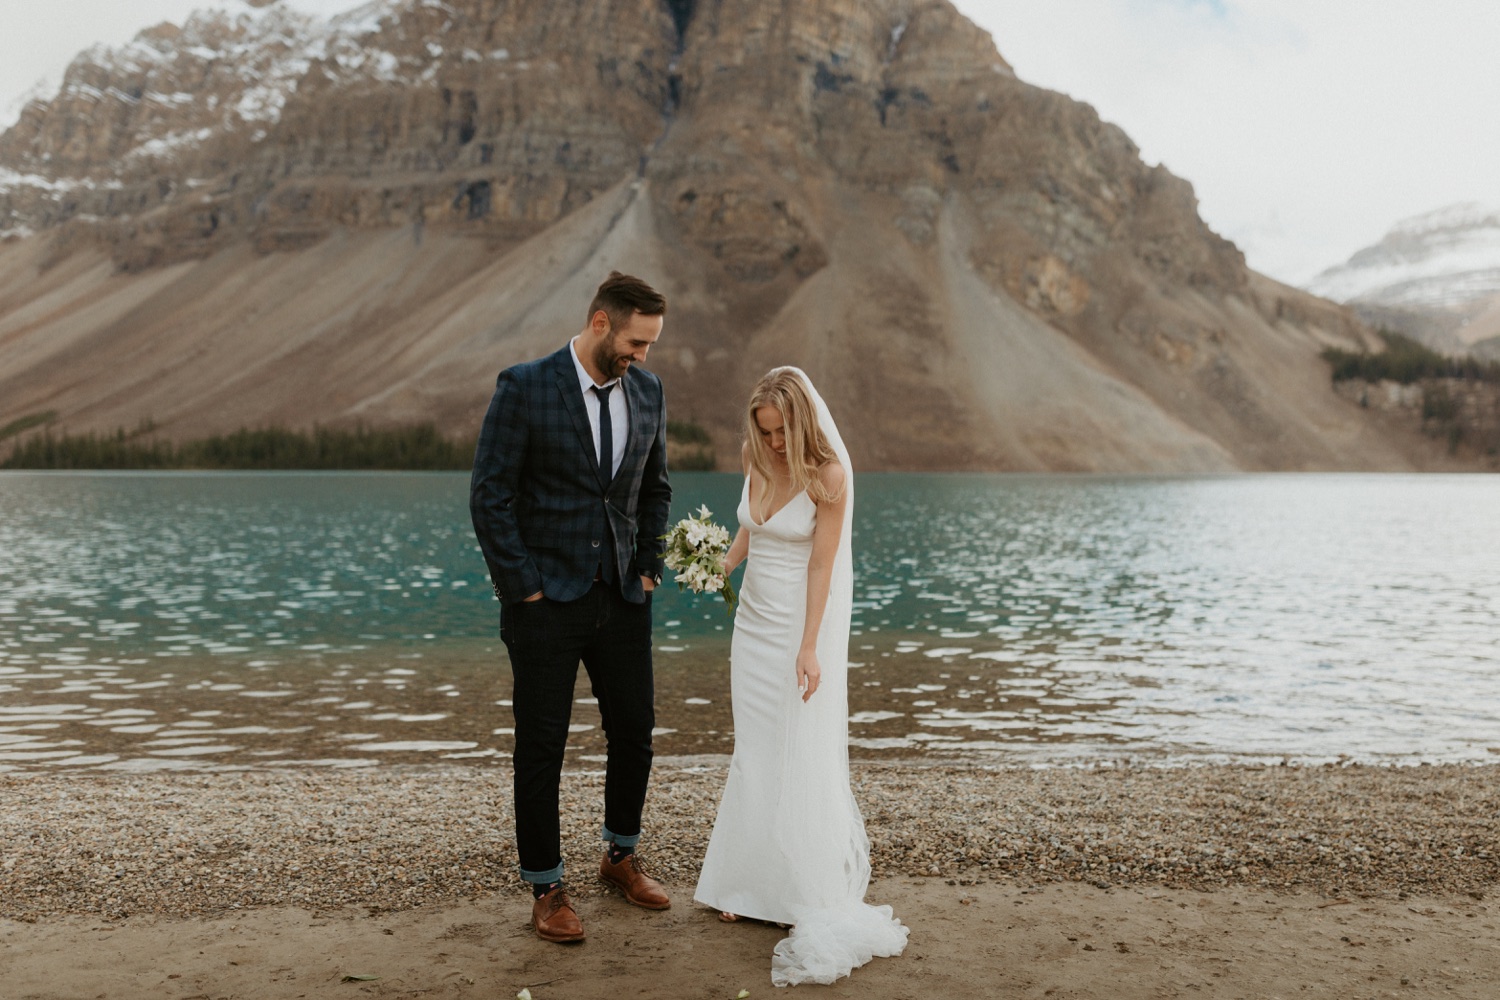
(540, 509)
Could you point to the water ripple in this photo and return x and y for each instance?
(1018, 617)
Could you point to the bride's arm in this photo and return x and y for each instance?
(738, 550)
(740, 547)
(826, 534)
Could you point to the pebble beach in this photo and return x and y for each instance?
(396, 838)
(1105, 881)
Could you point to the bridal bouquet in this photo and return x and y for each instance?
(696, 547)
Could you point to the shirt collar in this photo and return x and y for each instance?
(585, 380)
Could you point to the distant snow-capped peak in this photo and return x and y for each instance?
(1448, 259)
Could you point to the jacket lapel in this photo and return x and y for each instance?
(572, 396)
(635, 405)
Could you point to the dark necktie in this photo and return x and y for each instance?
(606, 471)
(606, 434)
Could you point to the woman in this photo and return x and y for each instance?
(789, 844)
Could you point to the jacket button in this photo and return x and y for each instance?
(596, 544)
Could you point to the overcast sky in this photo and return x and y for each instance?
(1307, 126)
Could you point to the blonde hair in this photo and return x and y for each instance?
(807, 447)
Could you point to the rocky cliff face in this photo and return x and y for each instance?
(278, 125)
(1435, 277)
(263, 217)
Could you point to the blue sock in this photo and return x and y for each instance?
(540, 889)
(618, 853)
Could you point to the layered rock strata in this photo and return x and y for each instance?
(266, 218)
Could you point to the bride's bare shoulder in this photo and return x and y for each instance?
(831, 475)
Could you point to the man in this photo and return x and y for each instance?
(569, 497)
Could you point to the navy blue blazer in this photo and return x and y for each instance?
(539, 505)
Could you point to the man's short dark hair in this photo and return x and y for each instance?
(622, 296)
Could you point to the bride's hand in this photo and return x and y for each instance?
(808, 673)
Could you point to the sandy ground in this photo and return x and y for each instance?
(1107, 882)
(1066, 940)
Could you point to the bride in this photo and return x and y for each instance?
(789, 844)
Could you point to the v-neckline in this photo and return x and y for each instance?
(772, 516)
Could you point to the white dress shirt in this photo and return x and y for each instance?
(619, 415)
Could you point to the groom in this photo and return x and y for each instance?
(569, 497)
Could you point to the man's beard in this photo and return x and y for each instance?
(608, 362)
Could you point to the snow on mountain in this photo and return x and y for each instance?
(184, 100)
(1447, 259)
(269, 48)
(229, 68)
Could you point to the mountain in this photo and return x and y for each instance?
(1435, 277)
(266, 217)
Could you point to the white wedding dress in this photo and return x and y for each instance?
(789, 843)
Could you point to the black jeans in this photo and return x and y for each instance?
(546, 640)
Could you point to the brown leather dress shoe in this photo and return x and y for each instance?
(638, 887)
(555, 919)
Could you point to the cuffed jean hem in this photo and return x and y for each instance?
(616, 839)
(543, 878)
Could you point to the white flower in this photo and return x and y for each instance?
(695, 549)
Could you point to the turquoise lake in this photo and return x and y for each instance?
(197, 621)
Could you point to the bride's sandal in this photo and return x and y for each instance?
(729, 918)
